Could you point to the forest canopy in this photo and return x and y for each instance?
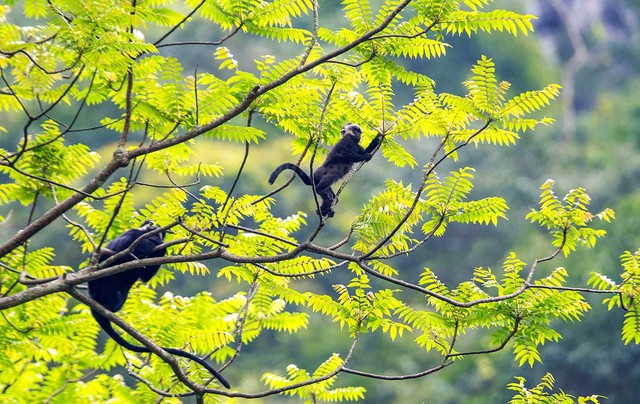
(119, 112)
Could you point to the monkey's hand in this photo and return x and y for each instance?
(366, 156)
(374, 144)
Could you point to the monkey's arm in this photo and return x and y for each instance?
(146, 273)
(374, 143)
(348, 151)
(354, 153)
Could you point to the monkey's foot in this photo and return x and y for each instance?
(328, 213)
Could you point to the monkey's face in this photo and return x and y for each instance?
(147, 226)
(352, 129)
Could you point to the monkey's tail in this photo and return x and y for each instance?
(108, 328)
(289, 166)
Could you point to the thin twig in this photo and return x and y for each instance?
(428, 172)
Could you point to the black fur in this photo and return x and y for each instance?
(112, 291)
(338, 163)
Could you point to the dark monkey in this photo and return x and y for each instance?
(111, 291)
(338, 163)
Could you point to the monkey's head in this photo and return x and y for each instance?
(352, 129)
(147, 226)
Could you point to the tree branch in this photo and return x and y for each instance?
(122, 157)
(152, 346)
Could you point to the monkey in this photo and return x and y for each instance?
(112, 291)
(338, 163)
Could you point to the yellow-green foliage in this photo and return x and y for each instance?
(543, 393)
(151, 158)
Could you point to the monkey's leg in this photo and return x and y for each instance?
(328, 198)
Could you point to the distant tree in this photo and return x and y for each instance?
(61, 59)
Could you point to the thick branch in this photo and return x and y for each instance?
(52, 214)
(121, 157)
